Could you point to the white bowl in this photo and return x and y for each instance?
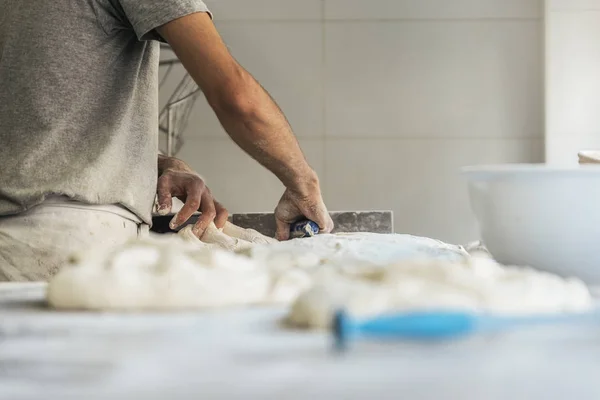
(540, 216)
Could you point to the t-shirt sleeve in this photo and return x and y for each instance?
(147, 15)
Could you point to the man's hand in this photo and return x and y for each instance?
(303, 202)
(176, 179)
(250, 116)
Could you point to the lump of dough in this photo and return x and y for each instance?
(287, 285)
(478, 285)
(249, 235)
(188, 235)
(215, 236)
(158, 274)
(361, 248)
(316, 307)
(165, 272)
(231, 237)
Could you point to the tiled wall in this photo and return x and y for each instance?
(388, 99)
(573, 79)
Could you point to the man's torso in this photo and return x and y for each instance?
(78, 105)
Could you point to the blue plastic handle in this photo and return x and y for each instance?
(303, 229)
(442, 325)
(418, 325)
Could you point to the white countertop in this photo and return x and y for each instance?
(245, 354)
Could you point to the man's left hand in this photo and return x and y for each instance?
(177, 179)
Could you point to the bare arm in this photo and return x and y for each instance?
(246, 111)
(250, 117)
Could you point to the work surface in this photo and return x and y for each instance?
(245, 354)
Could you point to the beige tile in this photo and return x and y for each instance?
(434, 79)
(432, 9)
(239, 182)
(570, 5)
(418, 179)
(286, 58)
(562, 149)
(573, 73)
(265, 9)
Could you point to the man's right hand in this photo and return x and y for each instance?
(302, 203)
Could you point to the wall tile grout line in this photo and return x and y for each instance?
(573, 10)
(431, 138)
(380, 20)
(269, 20)
(543, 75)
(385, 138)
(324, 180)
(441, 19)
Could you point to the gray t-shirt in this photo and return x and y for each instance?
(79, 100)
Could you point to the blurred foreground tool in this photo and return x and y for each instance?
(441, 325)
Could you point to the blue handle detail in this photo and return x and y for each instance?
(303, 229)
(418, 325)
(441, 325)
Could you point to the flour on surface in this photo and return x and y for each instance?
(371, 248)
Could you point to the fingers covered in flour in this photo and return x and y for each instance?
(192, 201)
(177, 179)
(164, 200)
(283, 230)
(222, 215)
(192, 190)
(295, 206)
(209, 212)
(322, 218)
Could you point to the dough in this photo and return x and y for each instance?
(315, 308)
(479, 285)
(249, 235)
(180, 271)
(287, 285)
(357, 249)
(188, 235)
(366, 274)
(231, 237)
(158, 274)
